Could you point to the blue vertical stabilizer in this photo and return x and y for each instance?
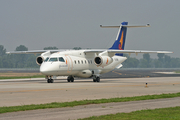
(120, 39)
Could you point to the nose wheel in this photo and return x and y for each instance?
(50, 80)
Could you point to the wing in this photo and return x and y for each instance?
(33, 51)
(137, 51)
(113, 52)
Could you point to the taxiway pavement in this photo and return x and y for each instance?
(38, 91)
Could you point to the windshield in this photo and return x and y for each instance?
(61, 59)
(53, 59)
(46, 59)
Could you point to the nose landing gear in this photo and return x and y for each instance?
(49, 79)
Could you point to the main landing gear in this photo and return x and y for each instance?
(96, 79)
(70, 79)
(49, 79)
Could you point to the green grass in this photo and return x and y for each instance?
(22, 77)
(84, 102)
(177, 71)
(172, 113)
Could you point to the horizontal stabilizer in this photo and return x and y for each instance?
(127, 26)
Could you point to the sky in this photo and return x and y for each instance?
(66, 24)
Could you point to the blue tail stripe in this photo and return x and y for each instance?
(121, 37)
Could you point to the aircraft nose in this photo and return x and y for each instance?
(43, 69)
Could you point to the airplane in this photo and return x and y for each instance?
(90, 63)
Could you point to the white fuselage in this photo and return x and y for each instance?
(76, 63)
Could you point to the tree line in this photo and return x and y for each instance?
(29, 60)
(17, 60)
(163, 61)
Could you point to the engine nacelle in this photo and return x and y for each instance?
(103, 60)
(40, 59)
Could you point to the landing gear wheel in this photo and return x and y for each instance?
(97, 79)
(50, 80)
(70, 79)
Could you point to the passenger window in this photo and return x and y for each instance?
(46, 59)
(61, 59)
(88, 62)
(75, 62)
(85, 61)
(82, 61)
(53, 60)
(78, 62)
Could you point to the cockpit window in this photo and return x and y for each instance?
(53, 60)
(61, 59)
(46, 59)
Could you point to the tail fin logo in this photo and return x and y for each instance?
(121, 41)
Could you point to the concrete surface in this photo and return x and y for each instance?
(37, 91)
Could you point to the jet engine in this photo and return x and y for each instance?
(39, 60)
(103, 60)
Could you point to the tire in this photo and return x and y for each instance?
(51, 80)
(68, 79)
(98, 79)
(48, 81)
(72, 80)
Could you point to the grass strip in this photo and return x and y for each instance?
(177, 71)
(172, 113)
(84, 102)
(22, 77)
